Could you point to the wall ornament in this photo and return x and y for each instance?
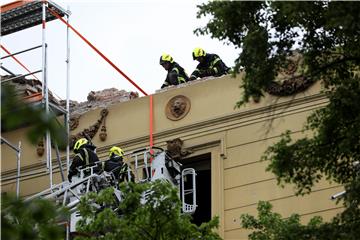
(291, 78)
(91, 131)
(74, 122)
(177, 107)
(40, 148)
(175, 149)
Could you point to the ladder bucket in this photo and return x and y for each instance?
(188, 195)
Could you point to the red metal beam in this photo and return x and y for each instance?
(12, 5)
(97, 51)
(16, 60)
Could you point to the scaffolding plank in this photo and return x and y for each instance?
(20, 15)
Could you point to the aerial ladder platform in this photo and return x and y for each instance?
(144, 165)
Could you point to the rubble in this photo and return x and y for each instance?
(28, 89)
(31, 89)
(99, 99)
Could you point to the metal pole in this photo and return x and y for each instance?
(13, 78)
(26, 50)
(47, 114)
(3, 140)
(59, 162)
(67, 230)
(45, 89)
(67, 94)
(8, 71)
(18, 155)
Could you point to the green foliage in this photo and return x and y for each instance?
(33, 220)
(272, 226)
(333, 148)
(157, 218)
(16, 113)
(327, 35)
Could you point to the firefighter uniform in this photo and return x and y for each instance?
(116, 165)
(85, 155)
(176, 74)
(209, 65)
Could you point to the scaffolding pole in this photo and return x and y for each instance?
(26, 50)
(18, 165)
(67, 93)
(18, 155)
(46, 91)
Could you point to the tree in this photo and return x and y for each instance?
(16, 113)
(327, 35)
(31, 220)
(271, 225)
(158, 217)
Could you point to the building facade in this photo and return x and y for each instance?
(226, 145)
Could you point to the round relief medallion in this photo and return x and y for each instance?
(177, 107)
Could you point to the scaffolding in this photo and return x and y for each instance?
(24, 14)
(18, 156)
(20, 15)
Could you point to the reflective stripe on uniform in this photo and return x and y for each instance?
(214, 62)
(80, 156)
(195, 73)
(176, 70)
(86, 156)
(181, 80)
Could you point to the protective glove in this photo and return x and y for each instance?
(209, 72)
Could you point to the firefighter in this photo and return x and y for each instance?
(209, 65)
(116, 164)
(176, 74)
(85, 155)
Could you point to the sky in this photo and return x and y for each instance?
(133, 34)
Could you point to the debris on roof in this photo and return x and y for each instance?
(100, 99)
(28, 89)
(31, 91)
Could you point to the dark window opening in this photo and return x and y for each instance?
(202, 166)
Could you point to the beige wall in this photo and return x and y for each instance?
(236, 139)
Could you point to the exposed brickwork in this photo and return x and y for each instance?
(100, 99)
(95, 99)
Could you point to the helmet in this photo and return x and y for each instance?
(79, 143)
(117, 151)
(198, 52)
(166, 58)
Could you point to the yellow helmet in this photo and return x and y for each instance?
(79, 143)
(166, 58)
(198, 52)
(117, 151)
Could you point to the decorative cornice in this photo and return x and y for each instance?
(169, 133)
